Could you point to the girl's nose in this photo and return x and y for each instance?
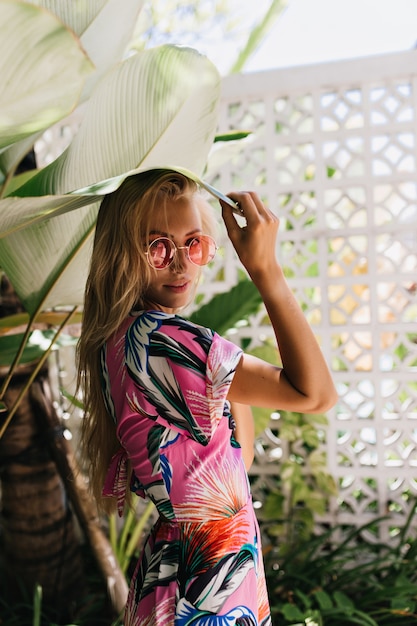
(180, 260)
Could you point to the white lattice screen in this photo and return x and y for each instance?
(334, 155)
(333, 152)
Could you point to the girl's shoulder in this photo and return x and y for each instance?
(165, 335)
(160, 319)
(150, 322)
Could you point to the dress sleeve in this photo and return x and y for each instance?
(221, 365)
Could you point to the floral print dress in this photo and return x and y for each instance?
(165, 382)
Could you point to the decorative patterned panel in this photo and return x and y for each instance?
(333, 153)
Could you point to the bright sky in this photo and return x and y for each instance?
(313, 31)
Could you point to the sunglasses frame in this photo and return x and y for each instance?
(175, 249)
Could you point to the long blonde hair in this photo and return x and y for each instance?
(118, 279)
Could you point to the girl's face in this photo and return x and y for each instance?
(172, 288)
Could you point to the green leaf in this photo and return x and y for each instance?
(261, 417)
(226, 309)
(17, 181)
(51, 318)
(291, 612)
(12, 156)
(323, 599)
(326, 483)
(37, 605)
(342, 600)
(306, 600)
(54, 268)
(102, 22)
(273, 508)
(310, 436)
(74, 401)
(317, 418)
(43, 69)
(402, 603)
(315, 504)
(267, 352)
(18, 213)
(233, 135)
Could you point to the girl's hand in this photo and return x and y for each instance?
(255, 241)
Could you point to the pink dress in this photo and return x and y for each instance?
(165, 382)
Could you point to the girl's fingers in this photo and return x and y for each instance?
(255, 240)
(248, 202)
(252, 209)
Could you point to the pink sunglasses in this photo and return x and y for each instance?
(200, 250)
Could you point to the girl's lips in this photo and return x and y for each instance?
(178, 287)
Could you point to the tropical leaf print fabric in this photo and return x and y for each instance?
(165, 383)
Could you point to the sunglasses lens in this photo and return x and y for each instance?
(160, 253)
(202, 250)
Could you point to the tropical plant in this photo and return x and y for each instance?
(328, 581)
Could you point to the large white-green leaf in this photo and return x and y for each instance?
(156, 109)
(47, 263)
(107, 36)
(104, 32)
(76, 15)
(11, 157)
(42, 67)
(18, 213)
(105, 28)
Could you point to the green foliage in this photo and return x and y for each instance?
(303, 483)
(30, 608)
(225, 310)
(38, 341)
(125, 541)
(323, 580)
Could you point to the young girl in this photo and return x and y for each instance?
(158, 390)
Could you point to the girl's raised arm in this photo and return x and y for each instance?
(304, 382)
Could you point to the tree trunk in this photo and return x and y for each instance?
(41, 488)
(84, 506)
(41, 543)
